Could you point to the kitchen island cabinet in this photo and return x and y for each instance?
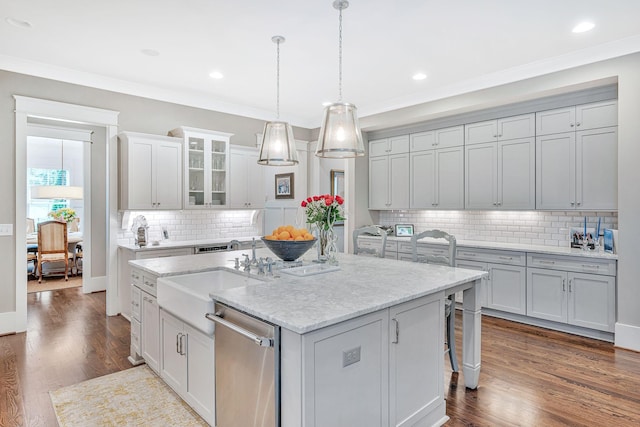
(363, 307)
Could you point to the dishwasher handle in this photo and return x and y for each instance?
(261, 341)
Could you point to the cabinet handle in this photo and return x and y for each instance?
(178, 342)
(506, 257)
(563, 285)
(578, 203)
(578, 123)
(573, 203)
(468, 254)
(590, 266)
(571, 124)
(183, 351)
(544, 261)
(570, 280)
(397, 331)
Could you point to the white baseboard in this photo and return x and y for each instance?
(94, 284)
(8, 323)
(627, 336)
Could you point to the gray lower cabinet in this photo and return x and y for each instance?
(382, 365)
(579, 299)
(506, 286)
(149, 330)
(187, 364)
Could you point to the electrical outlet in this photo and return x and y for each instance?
(350, 357)
(6, 229)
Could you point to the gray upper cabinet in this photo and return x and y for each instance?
(504, 129)
(389, 173)
(387, 146)
(575, 118)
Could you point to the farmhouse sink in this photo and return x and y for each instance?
(187, 296)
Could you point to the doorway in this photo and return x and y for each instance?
(56, 160)
(101, 182)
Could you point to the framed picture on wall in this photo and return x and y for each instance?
(337, 182)
(284, 186)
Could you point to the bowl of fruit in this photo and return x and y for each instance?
(289, 243)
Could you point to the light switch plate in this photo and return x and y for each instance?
(6, 229)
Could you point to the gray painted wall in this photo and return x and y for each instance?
(136, 114)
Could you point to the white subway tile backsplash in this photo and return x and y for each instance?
(527, 227)
(193, 225)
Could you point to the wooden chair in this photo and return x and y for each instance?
(444, 259)
(77, 258)
(370, 230)
(52, 246)
(31, 225)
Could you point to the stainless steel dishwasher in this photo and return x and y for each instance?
(247, 360)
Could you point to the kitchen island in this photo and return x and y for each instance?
(362, 345)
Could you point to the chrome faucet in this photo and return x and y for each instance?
(246, 263)
(253, 252)
(234, 245)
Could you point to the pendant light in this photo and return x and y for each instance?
(340, 135)
(67, 192)
(278, 147)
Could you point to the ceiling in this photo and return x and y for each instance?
(461, 45)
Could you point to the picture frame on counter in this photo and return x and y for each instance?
(284, 186)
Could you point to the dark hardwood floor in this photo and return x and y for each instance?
(536, 377)
(69, 339)
(530, 376)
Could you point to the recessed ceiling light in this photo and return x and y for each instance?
(19, 23)
(216, 75)
(150, 52)
(419, 76)
(583, 27)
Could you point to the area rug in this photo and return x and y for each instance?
(53, 284)
(133, 397)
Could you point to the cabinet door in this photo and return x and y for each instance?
(416, 360)
(422, 183)
(481, 132)
(168, 176)
(592, 301)
(507, 288)
(136, 300)
(379, 147)
(255, 188)
(547, 294)
(449, 178)
(238, 180)
(555, 171)
(379, 182)
(597, 115)
(597, 169)
(195, 177)
(399, 181)
(481, 176)
(399, 144)
(422, 141)
(150, 324)
(516, 174)
(343, 361)
(556, 121)
(173, 365)
(516, 127)
(140, 175)
(217, 167)
(449, 137)
(200, 384)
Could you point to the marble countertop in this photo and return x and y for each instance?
(521, 247)
(174, 244)
(302, 304)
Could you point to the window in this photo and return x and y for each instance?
(38, 209)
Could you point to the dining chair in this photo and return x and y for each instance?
(448, 258)
(52, 246)
(372, 230)
(31, 225)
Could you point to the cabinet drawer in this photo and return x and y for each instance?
(162, 253)
(136, 300)
(423, 248)
(136, 277)
(569, 263)
(149, 284)
(493, 256)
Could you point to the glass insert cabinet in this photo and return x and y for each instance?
(206, 166)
